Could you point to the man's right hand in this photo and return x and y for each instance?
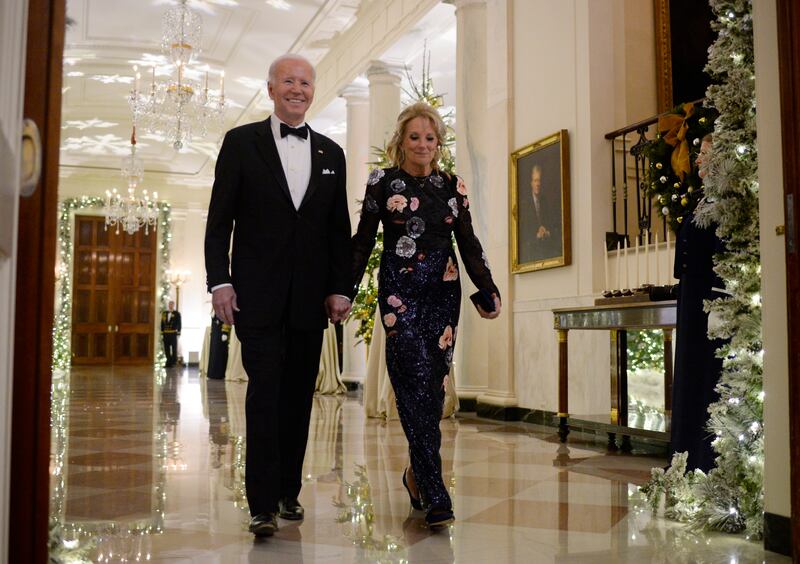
(224, 302)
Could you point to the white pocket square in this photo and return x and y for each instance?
(326, 171)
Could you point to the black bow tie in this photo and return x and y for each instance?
(298, 131)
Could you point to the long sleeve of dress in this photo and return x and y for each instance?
(364, 240)
(472, 254)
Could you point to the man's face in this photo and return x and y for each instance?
(292, 90)
(171, 306)
(536, 182)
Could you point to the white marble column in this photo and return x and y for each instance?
(356, 95)
(384, 100)
(501, 388)
(472, 348)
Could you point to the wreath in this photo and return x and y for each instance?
(673, 180)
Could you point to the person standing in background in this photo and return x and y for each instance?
(697, 367)
(170, 331)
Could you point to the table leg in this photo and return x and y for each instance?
(614, 381)
(622, 341)
(668, 368)
(563, 378)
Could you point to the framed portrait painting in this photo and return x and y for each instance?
(540, 229)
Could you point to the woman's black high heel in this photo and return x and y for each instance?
(415, 502)
(439, 517)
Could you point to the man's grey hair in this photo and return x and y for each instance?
(289, 57)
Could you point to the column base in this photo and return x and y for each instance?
(468, 397)
(494, 398)
(353, 381)
(501, 407)
(356, 377)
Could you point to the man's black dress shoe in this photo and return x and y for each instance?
(290, 509)
(264, 525)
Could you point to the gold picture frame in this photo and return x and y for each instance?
(540, 209)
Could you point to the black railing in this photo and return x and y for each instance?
(643, 133)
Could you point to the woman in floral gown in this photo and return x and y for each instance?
(419, 291)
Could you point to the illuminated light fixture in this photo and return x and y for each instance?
(181, 32)
(131, 212)
(181, 107)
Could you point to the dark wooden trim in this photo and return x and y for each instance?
(777, 534)
(30, 435)
(663, 55)
(587, 428)
(788, 20)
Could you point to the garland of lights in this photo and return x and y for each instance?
(62, 325)
(74, 542)
(730, 497)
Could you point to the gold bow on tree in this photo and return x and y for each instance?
(676, 127)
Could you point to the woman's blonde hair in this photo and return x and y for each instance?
(420, 109)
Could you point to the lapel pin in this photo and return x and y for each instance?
(320, 151)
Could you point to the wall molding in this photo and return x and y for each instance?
(778, 533)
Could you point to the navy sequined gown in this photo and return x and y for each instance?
(419, 299)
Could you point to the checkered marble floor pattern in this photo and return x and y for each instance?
(150, 468)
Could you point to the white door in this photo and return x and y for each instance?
(13, 26)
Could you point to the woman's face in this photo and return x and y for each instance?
(420, 142)
(702, 159)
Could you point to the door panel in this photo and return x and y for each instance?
(90, 319)
(137, 289)
(114, 304)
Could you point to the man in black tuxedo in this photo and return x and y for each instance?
(280, 189)
(545, 239)
(170, 331)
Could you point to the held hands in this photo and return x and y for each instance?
(337, 308)
(490, 314)
(224, 302)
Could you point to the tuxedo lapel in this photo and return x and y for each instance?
(268, 150)
(316, 166)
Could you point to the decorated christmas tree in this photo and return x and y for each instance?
(730, 497)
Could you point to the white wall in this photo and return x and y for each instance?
(568, 74)
(13, 18)
(777, 490)
(188, 231)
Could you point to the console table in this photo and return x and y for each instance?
(618, 319)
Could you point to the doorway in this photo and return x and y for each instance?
(114, 294)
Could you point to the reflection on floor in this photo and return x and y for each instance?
(150, 468)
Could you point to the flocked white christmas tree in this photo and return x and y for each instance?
(730, 497)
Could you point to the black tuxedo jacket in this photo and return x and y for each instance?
(174, 323)
(284, 262)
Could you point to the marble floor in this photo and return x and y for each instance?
(149, 468)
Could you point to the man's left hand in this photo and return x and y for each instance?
(337, 308)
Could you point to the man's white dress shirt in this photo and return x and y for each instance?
(295, 154)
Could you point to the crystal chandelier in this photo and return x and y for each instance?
(181, 30)
(180, 107)
(131, 212)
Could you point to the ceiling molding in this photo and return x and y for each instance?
(382, 23)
